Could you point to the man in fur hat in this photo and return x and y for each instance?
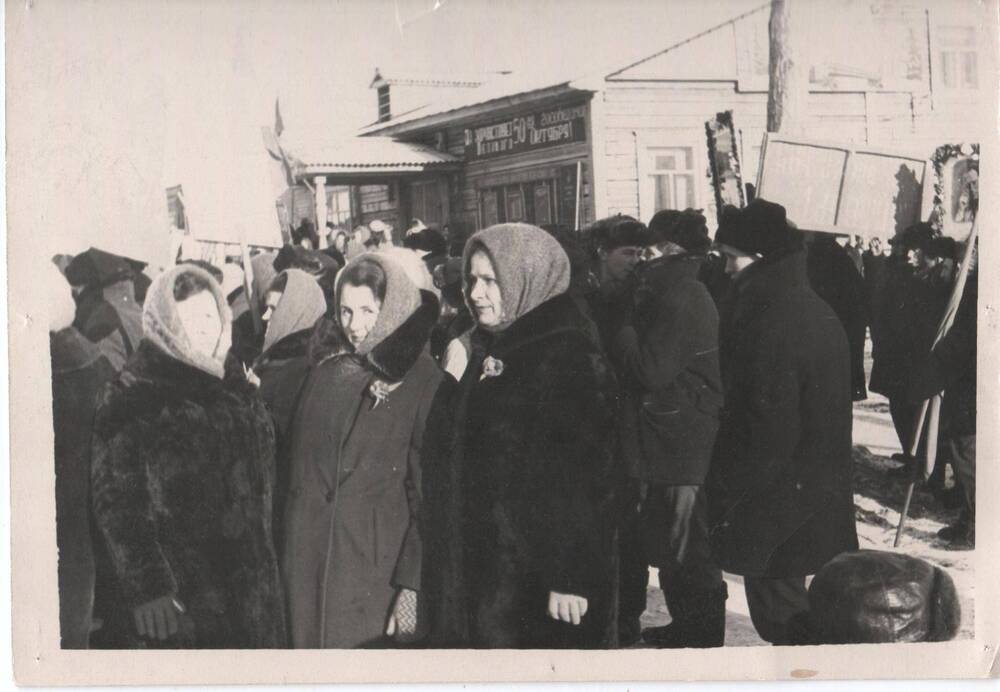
(779, 489)
(668, 360)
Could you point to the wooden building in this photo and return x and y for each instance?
(908, 74)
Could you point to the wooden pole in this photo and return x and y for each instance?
(579, 183)
(252, 302)
(788, 86)
(321, 212)
(933, 405)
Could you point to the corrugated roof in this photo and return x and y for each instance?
(363, 154)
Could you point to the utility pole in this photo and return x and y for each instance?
(788, 90)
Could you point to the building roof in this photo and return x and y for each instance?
(503, 87)
(363, 155)
(403, 79)
(689, 61)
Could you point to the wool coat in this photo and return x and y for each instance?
(182, 478)
(352, 533)
(669, 360)
(79, 372)
(526, 506)
(780, 489)
(836, 279)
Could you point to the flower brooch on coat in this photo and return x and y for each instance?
(380, 390)
(492, 367)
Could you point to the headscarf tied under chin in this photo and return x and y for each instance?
(302, 304)
(530, 265)
(161, 324)
(402, 298)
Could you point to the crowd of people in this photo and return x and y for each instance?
(487, 446)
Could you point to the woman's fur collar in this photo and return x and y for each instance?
(556, 315)
(393, 357)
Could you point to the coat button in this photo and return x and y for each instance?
(798, 486)
(329, 496)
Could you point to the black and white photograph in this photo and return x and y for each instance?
(620, 339)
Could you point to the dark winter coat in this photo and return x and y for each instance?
(910, 314)
(282, 370)
(182, 475)
(669, 362)
(835, 278)
(951, 367)
(530, 491)
(79, 372)
(889, 327)
(110, 317)
(780, 483)
(352, 534)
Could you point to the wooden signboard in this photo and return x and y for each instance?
(842, 188)
(527, 132)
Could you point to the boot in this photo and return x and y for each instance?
(699, 621)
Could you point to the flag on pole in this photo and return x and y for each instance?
(279, 126)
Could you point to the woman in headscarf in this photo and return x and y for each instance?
(521, 544)
(295, 302)
(352, 548)
(247, 341)
(182, 470)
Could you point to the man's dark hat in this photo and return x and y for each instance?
(760, 228)
(99, 268)
(427, 240)
(915, 237)
(448, 273)
(684, 228)
(618, 231)
(312, 262)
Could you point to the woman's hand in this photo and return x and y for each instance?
(158, 618)
(403, 619)
(567, 607)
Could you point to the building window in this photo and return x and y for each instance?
(338, 206)
(535, 202)
(957, 59)
(672, 172)
(425, 202)
(384, 112)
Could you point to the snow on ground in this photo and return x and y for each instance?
(878, 500)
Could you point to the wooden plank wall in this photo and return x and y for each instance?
(668, 111)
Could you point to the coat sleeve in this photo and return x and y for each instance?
(124, 514)
(577, 481)
(663, 352)
(408, 570)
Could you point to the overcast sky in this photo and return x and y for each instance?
(110, 102)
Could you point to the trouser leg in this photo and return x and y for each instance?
(963, 461)
(675, 523)
(633, 575)
(773, 604)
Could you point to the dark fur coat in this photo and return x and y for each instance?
(182, 484)
(525, 506)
